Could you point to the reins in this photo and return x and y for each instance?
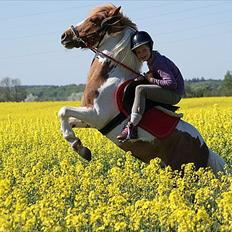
(95, 50)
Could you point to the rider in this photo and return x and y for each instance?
(165, 82)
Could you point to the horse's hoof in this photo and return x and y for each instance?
(85, 153)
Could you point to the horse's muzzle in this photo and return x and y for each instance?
(69, 42)
(63, 37)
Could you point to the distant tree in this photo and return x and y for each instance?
(11, 90)
(202, 88)
(202, 79)
(188, 90)
(75, 96)
(17, 91)
(30, 98)
(56, 93)
(5, 89)
(227, 84)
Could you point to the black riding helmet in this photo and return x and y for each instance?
(140, 38)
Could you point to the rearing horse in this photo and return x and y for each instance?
(108, 30)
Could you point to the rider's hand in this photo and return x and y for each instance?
(139, 78)
(149, 77)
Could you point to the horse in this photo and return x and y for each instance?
(108, 30)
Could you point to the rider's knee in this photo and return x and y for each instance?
(139, 90)
(62, 112)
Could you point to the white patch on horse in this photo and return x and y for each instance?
(119, 47)
(101, 58)
(106, 111)
(117, 75)
(188, 128)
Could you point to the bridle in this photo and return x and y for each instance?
(105, 25)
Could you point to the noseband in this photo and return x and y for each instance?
(77, 35)
(105, 25)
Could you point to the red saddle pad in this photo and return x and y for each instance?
(154, 120)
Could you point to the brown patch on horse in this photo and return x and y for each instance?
(181, 148)
(177, 149)
(145, 151)
(98, 74)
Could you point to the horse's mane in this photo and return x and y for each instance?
(121, 51)
(102, 9)
(107, 11)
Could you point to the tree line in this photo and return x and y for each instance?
(199, 87)
(12, 90)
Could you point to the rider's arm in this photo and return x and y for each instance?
(166, 80)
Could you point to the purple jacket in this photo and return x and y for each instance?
(166, 73)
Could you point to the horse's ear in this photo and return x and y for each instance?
(116, 11)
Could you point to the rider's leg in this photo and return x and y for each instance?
(143, 92)
(154, 93)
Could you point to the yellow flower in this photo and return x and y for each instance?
(45, 185)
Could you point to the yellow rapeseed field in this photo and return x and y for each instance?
(45, 186)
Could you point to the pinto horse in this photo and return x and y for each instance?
(109, 31)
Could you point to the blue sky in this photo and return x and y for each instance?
(196, 35)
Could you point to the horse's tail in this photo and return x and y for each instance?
(216, 162)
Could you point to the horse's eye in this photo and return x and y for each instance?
(94, 22)
(86, 31)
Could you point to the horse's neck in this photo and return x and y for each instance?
(99, 73)
(102, 68)
(96, 78)
(119, 47)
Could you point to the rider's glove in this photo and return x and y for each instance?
(149, 77)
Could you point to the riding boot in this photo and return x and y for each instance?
(128, 132)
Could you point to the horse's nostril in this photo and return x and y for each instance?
(63, 37)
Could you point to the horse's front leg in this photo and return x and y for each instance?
(85, 116)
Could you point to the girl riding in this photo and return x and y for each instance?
(165, 82)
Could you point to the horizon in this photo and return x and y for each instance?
(195, 35)
(47, 85)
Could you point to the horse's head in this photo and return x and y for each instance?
(108, 30)
(105, 19)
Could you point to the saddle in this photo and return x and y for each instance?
(154, 120)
